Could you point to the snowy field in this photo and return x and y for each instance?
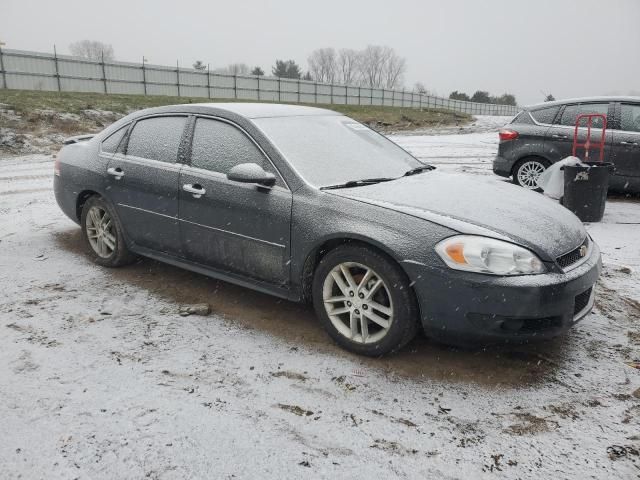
(100, 377)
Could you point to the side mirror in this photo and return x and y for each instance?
(251, 173)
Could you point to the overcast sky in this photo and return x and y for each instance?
(566, 47)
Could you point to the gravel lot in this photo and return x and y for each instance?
(100, 377)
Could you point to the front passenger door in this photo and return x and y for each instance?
(238, 228)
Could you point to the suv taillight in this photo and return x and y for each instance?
(56, 166)
(506, 135)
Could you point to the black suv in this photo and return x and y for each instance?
(543, 134)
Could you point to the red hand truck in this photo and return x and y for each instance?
(588, 145)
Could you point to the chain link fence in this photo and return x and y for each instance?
(26, 70)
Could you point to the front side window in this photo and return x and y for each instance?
(545, 115)
(630, 120)
(113, 141)
(219, 146)
(157, 138)
(571, 113)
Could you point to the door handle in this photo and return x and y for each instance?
(629, 144)
(555, 135)
(116, 172)
(196, 189)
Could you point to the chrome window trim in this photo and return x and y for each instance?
(249, 136)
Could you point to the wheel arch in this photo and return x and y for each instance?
(82, 198)
(326, 245)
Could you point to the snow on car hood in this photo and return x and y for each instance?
(481, 207)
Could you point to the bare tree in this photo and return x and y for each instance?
(199, 65)
(322, 65)
(394, 69)
(348, 66)
(235, 69)
(372, 66)
(420, 88)
(92, 50)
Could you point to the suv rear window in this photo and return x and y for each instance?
(545, 115)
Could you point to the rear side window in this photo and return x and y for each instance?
(571, 112)
(112, 142)
(218, 146)
(157, 138)
(545, 115)
(630, 118)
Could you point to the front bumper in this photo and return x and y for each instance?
(502, 166)
(460, 307)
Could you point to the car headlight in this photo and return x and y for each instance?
(487, 255)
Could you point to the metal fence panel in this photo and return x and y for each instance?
(27, 70)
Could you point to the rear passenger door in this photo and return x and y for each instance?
(626, 141)
(142, 183)
(559, 141)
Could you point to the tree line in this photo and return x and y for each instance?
(482, 96)
(375, 66)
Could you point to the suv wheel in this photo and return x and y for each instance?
(527, 171)
(102, 231)
(364, 301)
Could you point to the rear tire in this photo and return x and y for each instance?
(364, 301)
(527, 171)
(103, 234)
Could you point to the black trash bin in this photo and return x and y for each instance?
(585, 189)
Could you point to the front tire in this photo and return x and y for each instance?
(364, 301)
(527, 171)
(103, 234)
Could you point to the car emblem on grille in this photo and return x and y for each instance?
(583, 250)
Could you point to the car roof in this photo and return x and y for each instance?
(246, 109)
(584, 100)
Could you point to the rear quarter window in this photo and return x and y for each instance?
(113, 141)
(522, 118)
(545, 115)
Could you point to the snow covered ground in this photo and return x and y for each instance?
(100, 377)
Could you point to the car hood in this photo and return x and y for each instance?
(479, 206)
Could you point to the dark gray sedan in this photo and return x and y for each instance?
(310, 205)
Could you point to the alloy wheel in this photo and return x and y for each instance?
(100, 231)
(358, 302)
(529, 172)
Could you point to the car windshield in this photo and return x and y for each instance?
(333, 149)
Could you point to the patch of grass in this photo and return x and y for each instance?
(384, 118)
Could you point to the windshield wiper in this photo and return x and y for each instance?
(420, 169)
(357, 183)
